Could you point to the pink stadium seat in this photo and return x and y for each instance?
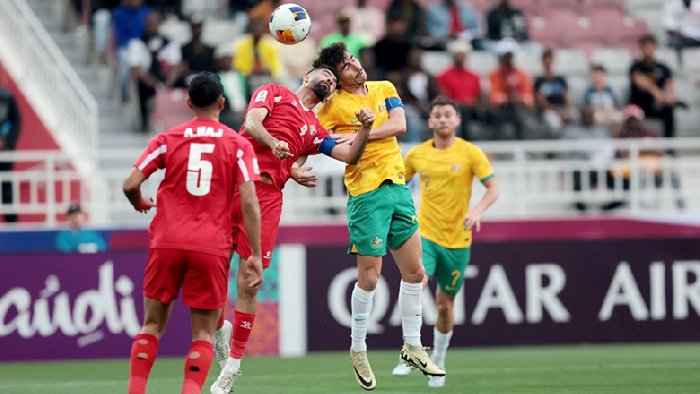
(561, 27)
(598, 4)
(588, 47)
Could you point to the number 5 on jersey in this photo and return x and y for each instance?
(199, 171)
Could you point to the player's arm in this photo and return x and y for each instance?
(408, 164)
(132, 191)
(302, 175)
(254, 126)
(350, 153)
(473, 218)
(395, 125)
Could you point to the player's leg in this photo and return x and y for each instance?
(449, 274)
(201, 352)
(162, 281)
(429, 261)
(405, 244)
(368, 218)
(203, 290)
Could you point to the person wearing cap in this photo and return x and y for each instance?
(196, 56)
(76, 238)
(461, 84)
(353, 42)
(512, 98)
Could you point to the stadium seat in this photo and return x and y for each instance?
(616, 61)
(434, 62)
(570, 62)
(691, 59)
(529, 61)
(587, 5)
(482, 62)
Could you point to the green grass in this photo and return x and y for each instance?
(648, 368)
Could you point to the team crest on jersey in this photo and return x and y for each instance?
(354, 121)
(312, 130)
(381, 108)
(377, 243)
(456, 167)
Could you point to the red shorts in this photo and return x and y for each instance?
(203, 277)
(270, 199)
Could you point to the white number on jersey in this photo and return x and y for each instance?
(199, 171)
(302, 131)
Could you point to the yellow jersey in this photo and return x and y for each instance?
(446, 177)
(382, 158)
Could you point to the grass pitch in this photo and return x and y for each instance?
(648, 368)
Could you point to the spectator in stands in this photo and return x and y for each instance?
(461, 84)
(504, 21)
(150, 59)
(511, 95)
(418, 89)
(601, 100)
(367, 22)
(453, 20)
(10, 126)
(353, 42)
(234, 89)
(76, 238)
(99, 20)
(167, 7)
(651, 86)
(391, 52)
(413, 15)
(552, 95)
(256, 52)
(129, 24)
(196, 56)
(682, 23)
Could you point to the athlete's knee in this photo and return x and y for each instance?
(444, 308)
(414, 274)
(368, 282)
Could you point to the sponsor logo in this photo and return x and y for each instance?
(247, 325)
(381, 108)
(366, 383)
(456, 167)
(353, 249)
(268, 255)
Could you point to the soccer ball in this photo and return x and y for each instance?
(290, 24)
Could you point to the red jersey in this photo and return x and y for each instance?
(461, 85)
(205, 161)
(287, 121)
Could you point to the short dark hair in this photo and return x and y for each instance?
(647, 39)
(599, 67)
(547, 53)
(205, 89)
(442, 100)
(331, 56)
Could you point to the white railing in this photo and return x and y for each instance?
(536, 177)
(48, 80)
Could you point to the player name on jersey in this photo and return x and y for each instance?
(203, 131)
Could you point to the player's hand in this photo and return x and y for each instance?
(473, 221)
(345, 138)
(255, 272)
(281, 150)
(145, 205)
(303, 177)
(365, 116)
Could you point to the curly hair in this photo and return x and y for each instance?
(331, 55)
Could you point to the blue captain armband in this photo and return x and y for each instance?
(393, 102)
(327, 146)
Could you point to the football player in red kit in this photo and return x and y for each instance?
(283, 130)
(190, 235)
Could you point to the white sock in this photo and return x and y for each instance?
(233, 362)
(440, 344)
(361, 306)
(410, 302)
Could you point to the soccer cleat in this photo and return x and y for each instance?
(224, 383)
(363, 372)
(417, 357)
(401, 369)
(222, 343)
(436, 381)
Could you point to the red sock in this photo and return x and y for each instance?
(197, 366)
(144, 350)
(242, 326)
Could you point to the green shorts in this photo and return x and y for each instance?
(446, 265)
(380, 218)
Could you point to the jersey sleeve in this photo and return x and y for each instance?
(391, 97)
(321, 141)
(480, 165)
(263, 97)
(153, 157)
(247, 168)
(409, 164)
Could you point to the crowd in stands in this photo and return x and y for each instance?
(391, 37)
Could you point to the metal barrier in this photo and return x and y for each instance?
(47, 78)
(537, 178)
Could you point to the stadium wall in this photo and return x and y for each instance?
(529, 283)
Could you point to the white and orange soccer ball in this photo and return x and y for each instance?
(290, 24)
